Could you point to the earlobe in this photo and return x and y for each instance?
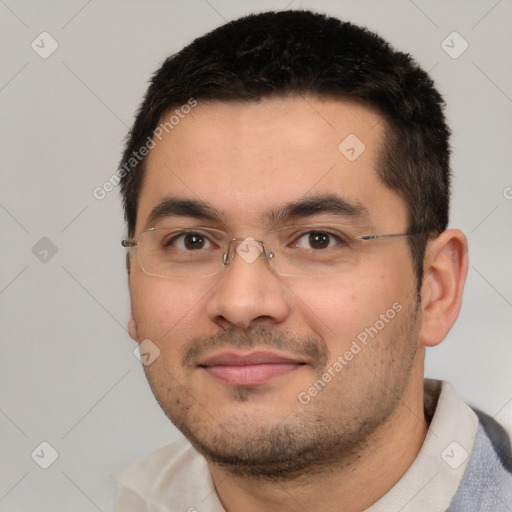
(445, 270)
(132, 328)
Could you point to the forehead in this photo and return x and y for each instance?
(245, 159)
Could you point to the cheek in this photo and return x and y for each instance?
(339, 309)
(334, 309)
(163, 307)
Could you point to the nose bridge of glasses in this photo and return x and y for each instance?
(248, 248)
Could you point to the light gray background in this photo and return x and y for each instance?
(68, 375)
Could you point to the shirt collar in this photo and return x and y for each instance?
(435, 475)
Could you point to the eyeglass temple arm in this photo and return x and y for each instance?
(393, 235)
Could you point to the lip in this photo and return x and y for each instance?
(249, 369)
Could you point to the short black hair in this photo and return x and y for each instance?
(302, 53)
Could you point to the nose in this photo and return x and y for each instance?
(248, 294)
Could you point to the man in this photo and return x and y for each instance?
(286, 190)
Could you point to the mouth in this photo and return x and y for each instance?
(250, 369)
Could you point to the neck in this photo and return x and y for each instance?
(351, 487)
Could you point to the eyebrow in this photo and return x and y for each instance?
(180, 207)
(310, 206)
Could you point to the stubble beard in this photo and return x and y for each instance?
(327, 434)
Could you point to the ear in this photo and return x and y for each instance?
(132, 328)
(445, 270)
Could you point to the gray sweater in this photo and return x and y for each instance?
(487, 482)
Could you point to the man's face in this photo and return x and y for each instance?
(240, 352)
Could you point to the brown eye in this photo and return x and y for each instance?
(194, 241)
(317, 240)
(189, 242)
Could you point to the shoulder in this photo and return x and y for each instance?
(486, 485)
(499, 436)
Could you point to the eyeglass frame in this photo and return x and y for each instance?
(227, 257)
